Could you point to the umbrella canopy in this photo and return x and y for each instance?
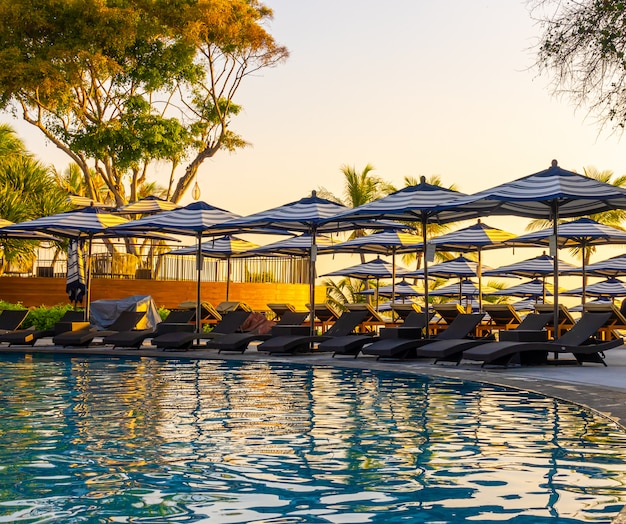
(611, 287)
(582, 233)
(540, 266)
(477, 237)
(195, 219)
(552, 193)
(460, 267)
(224, 247)
(383, 243)
(5, 232)
(535, 288)
(146, 206)
(537, 267)
(612, 267)
(464, 288)
(312, 215)
(375, 269)
(80, 224)
(421, 203)
(295, 246)
(403, 289)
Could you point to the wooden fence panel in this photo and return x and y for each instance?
(166, 293)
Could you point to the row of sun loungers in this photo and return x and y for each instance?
(525, 343)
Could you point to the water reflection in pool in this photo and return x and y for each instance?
(145, 440)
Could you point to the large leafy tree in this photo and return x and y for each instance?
(119, 85)
(583, 46)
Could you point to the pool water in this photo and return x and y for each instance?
(90, 440)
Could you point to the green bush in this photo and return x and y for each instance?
(45, 317)
(7, 305)
(41, 317)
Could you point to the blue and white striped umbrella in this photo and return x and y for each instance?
(549, 194)
(76, 286)
(582, 233)
(612, 267)
(195, 219)
(80, 224)
(477, 237)
(224, 248)
(461, 267)
(463, 288)
(403, 289)
(299, 246)
(535, 288)
(383, 243)
(611, 287)
(311, 215)
(420, 203)
(540, 266)
(147, 206)
(375, 269)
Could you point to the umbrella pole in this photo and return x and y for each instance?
(393, 281)
(312, 280)
(198, 284)
(479, 272)
(88, 292)
(227, 278)
(424, 242)
(583, 299)
(555, 292)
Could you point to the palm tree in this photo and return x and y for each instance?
(360, 188)
(27, 191)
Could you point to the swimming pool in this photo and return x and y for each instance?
(146, 440)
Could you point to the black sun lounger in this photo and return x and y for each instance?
(239, 342)
(181, 341)
(343, 326)
(178, 320)
(27, 337)
(126, 321)
(11, 319)
(577, 341)
(462, 326)
(451, 350)
(413, 326)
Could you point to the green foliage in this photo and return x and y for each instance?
(44, 318)
(8, 305)
(583, 46)
(122, 85)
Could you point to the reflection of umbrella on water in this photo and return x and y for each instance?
(225, 247)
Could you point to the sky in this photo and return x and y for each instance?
(412, 87)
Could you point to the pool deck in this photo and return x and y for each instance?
(600, 388)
